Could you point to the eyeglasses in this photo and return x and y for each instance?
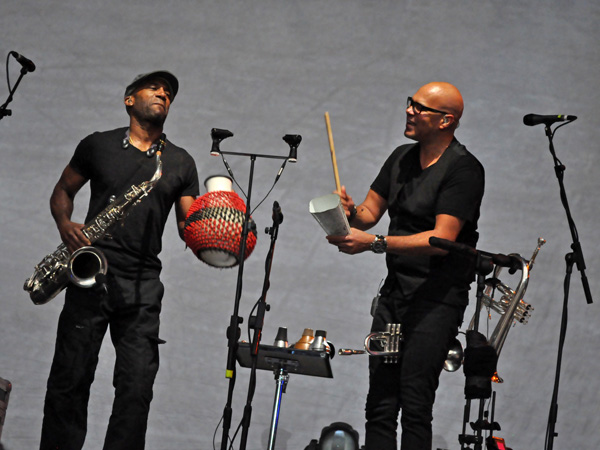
(418, 108)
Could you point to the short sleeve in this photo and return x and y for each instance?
(81, 159)
(462, 191)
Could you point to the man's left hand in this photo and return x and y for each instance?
(356, 242)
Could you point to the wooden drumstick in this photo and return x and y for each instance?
(332, 149)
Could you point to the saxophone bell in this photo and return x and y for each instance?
(84, 265)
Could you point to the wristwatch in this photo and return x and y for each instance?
(379, 244)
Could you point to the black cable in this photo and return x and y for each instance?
(215, 433)
(230, 171)
(7, 77)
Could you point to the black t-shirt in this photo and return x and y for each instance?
(112, 170)
(454, 185)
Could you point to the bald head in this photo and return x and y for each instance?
(442, 96)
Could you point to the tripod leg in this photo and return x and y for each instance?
(467, 413)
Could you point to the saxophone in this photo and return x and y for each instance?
(60, 267)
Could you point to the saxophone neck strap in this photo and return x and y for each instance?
(158, 146)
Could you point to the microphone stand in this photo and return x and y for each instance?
(233, 330)
(256, 322)
(7, 112)
(574, 257)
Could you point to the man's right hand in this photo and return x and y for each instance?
(72, 236)
(347, 201)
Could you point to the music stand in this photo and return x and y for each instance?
(282, 361)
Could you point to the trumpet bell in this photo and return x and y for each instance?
(455, 357)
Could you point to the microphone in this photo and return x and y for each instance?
(217, 135)
(27, 64)
(535, 119)
(293, 140)
(277, 214)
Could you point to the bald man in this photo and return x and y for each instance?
(433, 187)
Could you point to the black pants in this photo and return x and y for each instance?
(428, 328)
(131, 310)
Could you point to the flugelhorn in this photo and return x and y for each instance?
(511, 307)
(390, 340)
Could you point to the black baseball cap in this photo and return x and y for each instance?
(167, 76)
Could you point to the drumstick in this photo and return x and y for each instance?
(332, 149)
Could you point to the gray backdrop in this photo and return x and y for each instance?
(267, 68)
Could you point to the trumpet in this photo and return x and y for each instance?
(511, 307)
(390, 340)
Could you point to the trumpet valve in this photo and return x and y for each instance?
(390, 341)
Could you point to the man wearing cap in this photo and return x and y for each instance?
(130, 301)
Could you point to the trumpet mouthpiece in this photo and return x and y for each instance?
(350, 351)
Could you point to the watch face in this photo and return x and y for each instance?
(379, 245)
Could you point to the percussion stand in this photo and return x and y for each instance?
(281, 378)
(233, 330)
(283, 361)
(574, 257)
